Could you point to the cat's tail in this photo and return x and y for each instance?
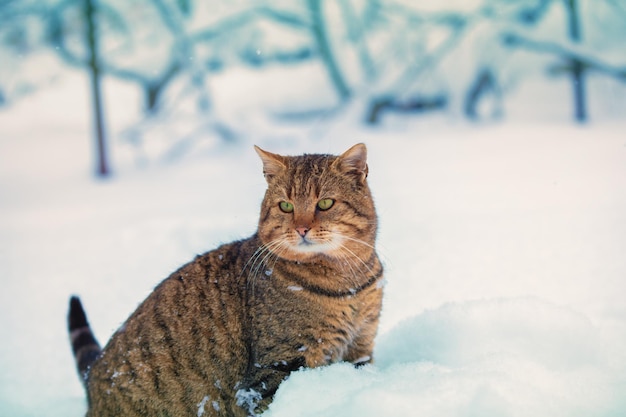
(84, 345)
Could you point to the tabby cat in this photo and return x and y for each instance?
(219, 335)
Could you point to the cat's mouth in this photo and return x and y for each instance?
(310, 245)
(304, 241)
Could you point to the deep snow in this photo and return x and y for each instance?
(503, 245)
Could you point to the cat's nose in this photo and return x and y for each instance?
(302, 231)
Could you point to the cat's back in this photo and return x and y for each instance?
(173, 350)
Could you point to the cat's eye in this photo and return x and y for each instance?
(286, 206)
(325, 204)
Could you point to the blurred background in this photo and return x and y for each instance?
(196, 73)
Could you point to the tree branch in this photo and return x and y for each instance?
(236, 21)
(517, 41)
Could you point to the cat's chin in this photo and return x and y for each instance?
(308, 257)
(307, 251)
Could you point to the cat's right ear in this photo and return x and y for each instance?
(273, 164)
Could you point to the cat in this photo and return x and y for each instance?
(218, 336)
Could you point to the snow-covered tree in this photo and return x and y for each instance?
(464, 57)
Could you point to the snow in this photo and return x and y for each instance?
(248, 399)
(503, 246)
(505, 357)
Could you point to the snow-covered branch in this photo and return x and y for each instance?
(567, 53)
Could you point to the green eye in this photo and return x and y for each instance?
(325, 204)
(286, 206)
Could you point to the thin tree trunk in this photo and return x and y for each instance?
(577, 67)
(94, 72)
(321, 38)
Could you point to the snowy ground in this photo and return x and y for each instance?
(504, 246)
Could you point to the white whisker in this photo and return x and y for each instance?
(379, 249)
(258, 258)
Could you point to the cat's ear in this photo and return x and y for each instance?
(273, 164)
(354, 161)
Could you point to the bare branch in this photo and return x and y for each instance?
(236, 21)
(518, 41)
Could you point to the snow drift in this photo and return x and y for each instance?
(506, 357)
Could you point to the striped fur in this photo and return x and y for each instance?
(84, 345)
(219, 335)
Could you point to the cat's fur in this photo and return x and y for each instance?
(219, 335)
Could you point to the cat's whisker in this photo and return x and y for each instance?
(352, 239)
(352, 275)
(352, 263)
(349, 259)
(259, 258)
(380, 249)
(272, 251)
(354, 256)
(253, 257)
(259, 255)
(261, 251)
(358, 241)
(263, 257)
(280, 250)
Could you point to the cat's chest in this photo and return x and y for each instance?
(290, 322)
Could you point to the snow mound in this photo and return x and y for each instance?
(505, 357)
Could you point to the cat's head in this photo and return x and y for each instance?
(318, 206)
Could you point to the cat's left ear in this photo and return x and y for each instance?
(354, 161)
(273, 164)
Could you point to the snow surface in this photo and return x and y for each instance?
(504, 247)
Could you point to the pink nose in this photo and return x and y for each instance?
(302, 231)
